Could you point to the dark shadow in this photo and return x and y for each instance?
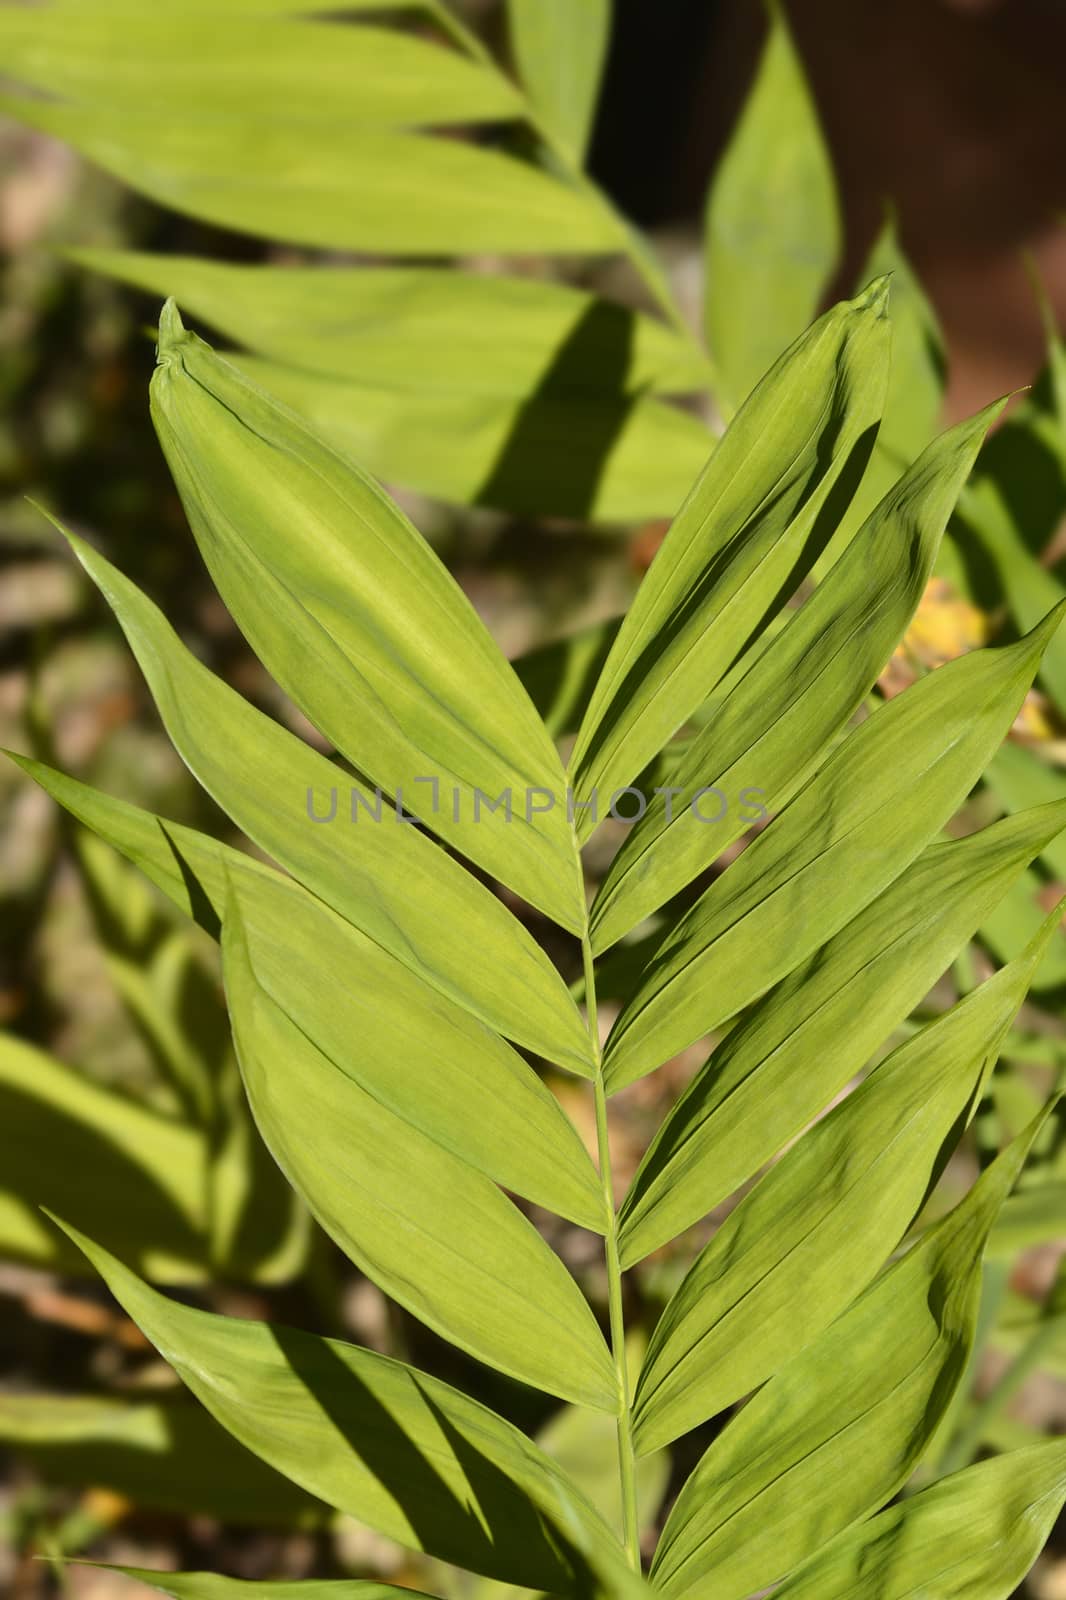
(201, 909)
(565, 431)
(491, 1527)
(52, 1158)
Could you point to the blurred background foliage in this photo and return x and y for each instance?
(924, 138)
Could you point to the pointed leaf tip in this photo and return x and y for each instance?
(171, 330)
(874, 298)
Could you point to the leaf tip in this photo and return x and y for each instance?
(171, 332)
(874, 298)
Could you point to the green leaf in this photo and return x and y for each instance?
(779, 1067)
(1010, 513)
(194, 9)
(342, 188)
(149, 61)
(414, 1052)
(147, 1180)
(563, 452)
(838, 1430)
(560, 47)
(739, 545)
(1033, 1216)
(972, 1536)
(361, 624)
(860, 821)
(817, 1228)
(1012, 923)
(126, 1170)
(167, 1454)
(404, 1452)
(434, 1233)
(412, 1040)
(771, 729)
(1019, 778)
(384, 876)
(212, 1586)
(917, 379)
(422, 329)
(773, 228)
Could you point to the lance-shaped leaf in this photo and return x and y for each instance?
(381, 873)
(414, 1052)
(773, 224)
(860, 821)
(422, 329)
(560, 47)
(779, 1067)
(361, 624)
(816, 1230)
(213, 1586)
(609, 458)
(194, 9)
(404, 1452)
(338, 187)
(972, 1536)
(838, 1430)
(419, 1054)
(166, 1453)
(190, 867)
(739, 544)
(435, 1234)
(774, 725)
(508, 391)
(148, 59)
(917, 379)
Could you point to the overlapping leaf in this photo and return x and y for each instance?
(917, 380)
(859, 822)
(360, 623)
(379, 872)
(313, 146)
(815, 1231)
(296, 69)
(418, 1054)
(972, 1536)
(418, 329)
(400, 1450)
(506, 391)
(602, 456)
(787, 1475)
(560, 47)
(739, 545)
(413, 1051)
(435, 1234)
(775, 723)
(779, 1067)
(772, 226)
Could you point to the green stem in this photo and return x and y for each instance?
(626, 1459)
